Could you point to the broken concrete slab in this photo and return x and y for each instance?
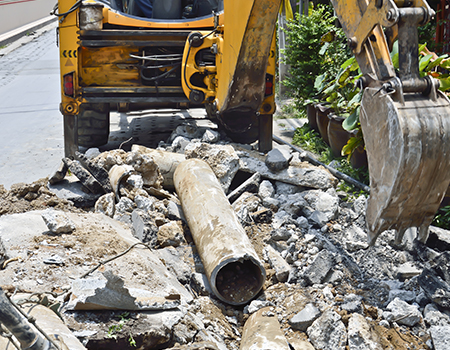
(99, 173)
(96, 238)
(438, 238)
(361, 335)
(58, 174)
(441, 337)
(85, 177)
(109, 293)
(71, 189)
(319, 268)
(170, 234)
(435, 288)
(303, 174)
(434, 317)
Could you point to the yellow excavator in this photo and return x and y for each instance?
(221, 55)
(216, 54)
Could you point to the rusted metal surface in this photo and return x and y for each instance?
(262, 332)
(408, 150)
(235, 273)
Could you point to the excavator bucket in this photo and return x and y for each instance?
(408, 150)
(405, 119)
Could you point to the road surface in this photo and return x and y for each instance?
(31, 139)
(17, 13)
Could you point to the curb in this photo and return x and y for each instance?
(17, 33)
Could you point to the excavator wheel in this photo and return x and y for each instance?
(93, 125)
(408, 150)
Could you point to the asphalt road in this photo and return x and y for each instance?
(31, 139)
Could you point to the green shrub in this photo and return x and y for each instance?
(313, 47)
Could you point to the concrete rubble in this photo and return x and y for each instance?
(116, 258)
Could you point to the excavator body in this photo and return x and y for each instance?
(219, 55)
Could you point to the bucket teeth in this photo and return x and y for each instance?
(408, 151)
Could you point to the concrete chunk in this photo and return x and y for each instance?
(89, 181)
(360, 334)
(57, 222)
(319, 268)
(277, 262)
(403, 313)
(328, 332)
(305, 318)
(110, 294)
(441, 337)
(278, 158)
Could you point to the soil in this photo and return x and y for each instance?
(35, 196)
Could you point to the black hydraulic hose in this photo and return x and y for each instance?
(63, 15)
(310, 158)
(19, 326)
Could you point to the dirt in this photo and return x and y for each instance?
(35, 196)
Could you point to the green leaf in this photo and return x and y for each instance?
(351, 122)
(351, 145)
(356, 99)
(342, 78)
(423, 62)
(437, 61)
(394, 55)
(422, 47)
(444, 84)
(445, 64)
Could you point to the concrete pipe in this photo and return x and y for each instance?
(27, 335)
(232, 266)
(262, 332)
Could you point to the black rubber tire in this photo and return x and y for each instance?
(93, 125)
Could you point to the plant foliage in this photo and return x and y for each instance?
(314, 45)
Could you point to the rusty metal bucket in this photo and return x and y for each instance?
(408, 150)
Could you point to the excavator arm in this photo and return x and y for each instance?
(238, 88)
(405, 119)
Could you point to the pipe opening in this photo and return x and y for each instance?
(238, 282)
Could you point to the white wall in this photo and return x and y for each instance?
(16, 13)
